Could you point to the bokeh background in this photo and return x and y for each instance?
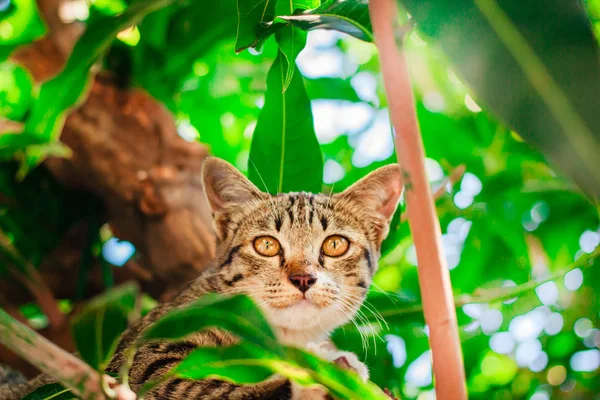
(518, 236)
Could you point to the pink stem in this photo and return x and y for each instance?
(434, 279)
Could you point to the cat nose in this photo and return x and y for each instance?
(303, 281)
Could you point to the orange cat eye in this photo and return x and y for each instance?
(335, 246)
(267, 246)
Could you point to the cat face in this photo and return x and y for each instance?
(306, 259)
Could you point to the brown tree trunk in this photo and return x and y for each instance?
(127, 152)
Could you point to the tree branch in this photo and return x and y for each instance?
(28, 275)
(434, 278)
(73, 373)
(126, 151)
(500, 294)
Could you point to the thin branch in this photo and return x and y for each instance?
(29, 276)
(434, 278)
(497, 295)
(129, 354)
(73, 373)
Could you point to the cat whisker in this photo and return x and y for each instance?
(369, 307)
(389, 295)
(362, 318)
(266, 188)
(363, 341)
(365, 320)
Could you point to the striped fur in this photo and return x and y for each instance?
(300, 222)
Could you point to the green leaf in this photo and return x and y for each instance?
(97, 329)
(285, 155)
(259, 355)
(289, 7)
(340, 382)
(249, 364)
(507, 53)
(330, 89)
(291, 42)
(13, 142)
(110, 7)
(67, 88)
(54, 391)
(251, 13)
(189, 32)
(237, 314)
(20, 23)
(351, 17)
(241, 363)
(15, 91)
(36, 153)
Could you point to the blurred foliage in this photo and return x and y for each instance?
(513, 224)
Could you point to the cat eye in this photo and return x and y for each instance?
(267, 246)
(335, 246)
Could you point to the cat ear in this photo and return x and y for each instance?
(378, 192)
(225, 186)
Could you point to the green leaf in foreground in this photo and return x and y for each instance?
(97, 329)
(340, 382)
(54, 391)
(64, 91)
(242, 363)
(291, 42)
(237, 314)
(246, 363)
(20, 23)
(289, 7)
(257, 357)
(285, 155)
(351, 17)
(250, 14)
(507, 54)
(15, 91)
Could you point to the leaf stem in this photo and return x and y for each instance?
(283, 125)
(29, 276)
(73, 373)
(134, 317)
(434, 277)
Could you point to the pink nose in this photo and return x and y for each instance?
(303, 281)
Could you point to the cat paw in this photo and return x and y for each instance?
(344, 359)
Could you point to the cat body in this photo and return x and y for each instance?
(306, 259)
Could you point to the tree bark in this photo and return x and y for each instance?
(126, 151)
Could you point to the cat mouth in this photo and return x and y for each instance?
(305, 302)
(309, 303)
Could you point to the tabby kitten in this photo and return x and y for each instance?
(306, 259)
